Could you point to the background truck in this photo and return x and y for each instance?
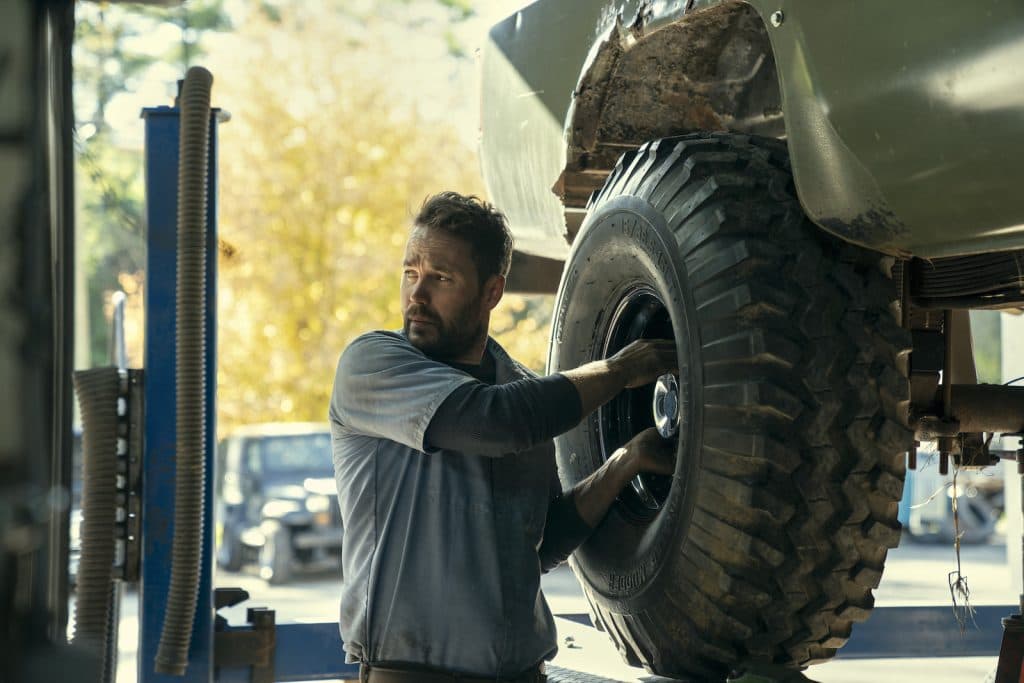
(276, 503)
(808, 197)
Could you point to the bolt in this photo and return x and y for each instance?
(777, 18)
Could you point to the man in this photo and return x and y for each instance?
(445, 468)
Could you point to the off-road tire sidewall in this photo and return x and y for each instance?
(793, 384)
(627, 243)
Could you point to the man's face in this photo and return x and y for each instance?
(444, 307)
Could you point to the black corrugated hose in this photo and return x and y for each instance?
(97, 391)
(190, 349)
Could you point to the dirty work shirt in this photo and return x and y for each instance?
(441, 559)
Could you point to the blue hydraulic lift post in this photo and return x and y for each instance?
(304, 651)
(158, 464)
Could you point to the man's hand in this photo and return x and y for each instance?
(645, 452)
(640, 363)
(649, 452)
(644, 361)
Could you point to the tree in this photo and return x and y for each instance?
(330, 151)
(322, 168)
(116, 51)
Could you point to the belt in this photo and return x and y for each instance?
(391, 674)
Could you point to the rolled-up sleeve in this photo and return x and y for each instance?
(385, 387)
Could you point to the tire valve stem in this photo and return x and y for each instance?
(912, 456)
(943, 463)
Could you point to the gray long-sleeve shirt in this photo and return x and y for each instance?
(441, 557)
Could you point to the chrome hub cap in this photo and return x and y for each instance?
(666, 406)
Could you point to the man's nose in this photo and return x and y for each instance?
(418, 292)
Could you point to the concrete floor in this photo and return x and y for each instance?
(915, 575)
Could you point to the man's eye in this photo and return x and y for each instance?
(444, 278)
(409, 275)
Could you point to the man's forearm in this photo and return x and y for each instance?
(639, 363)
(597, 383)
(595, 494)
(573, 516)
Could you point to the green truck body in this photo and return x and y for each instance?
(903, 120)
(806, 196)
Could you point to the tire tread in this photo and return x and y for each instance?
(803, 463)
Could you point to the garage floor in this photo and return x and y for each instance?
(915, 575)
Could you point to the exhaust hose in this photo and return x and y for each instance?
(190, 352)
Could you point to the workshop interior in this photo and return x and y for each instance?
(113, 477)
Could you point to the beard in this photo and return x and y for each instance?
(445, 339)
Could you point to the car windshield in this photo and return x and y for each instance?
(308, 454)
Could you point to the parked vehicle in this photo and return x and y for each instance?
(806, 196)
(276, 501)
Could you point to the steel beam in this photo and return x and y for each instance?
(988, 407)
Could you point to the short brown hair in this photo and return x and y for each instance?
(474, 221)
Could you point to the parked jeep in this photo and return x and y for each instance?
(276, 501)
(807, 196)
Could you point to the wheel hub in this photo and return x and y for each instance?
(666, 406)
(641, 314)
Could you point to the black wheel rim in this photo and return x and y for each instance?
(639, 314)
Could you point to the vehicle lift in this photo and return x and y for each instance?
(180, 158)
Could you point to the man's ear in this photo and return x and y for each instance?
(494, 288)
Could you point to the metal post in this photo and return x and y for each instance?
(162, 131)
(1010, 667)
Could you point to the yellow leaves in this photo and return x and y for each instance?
(321, 170)
(131, 283)
(361, 224)
(296, 137)
(521, 324)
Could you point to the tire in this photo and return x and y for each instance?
(276, 556)
(766, 543)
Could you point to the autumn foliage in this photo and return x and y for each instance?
(321, 169)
